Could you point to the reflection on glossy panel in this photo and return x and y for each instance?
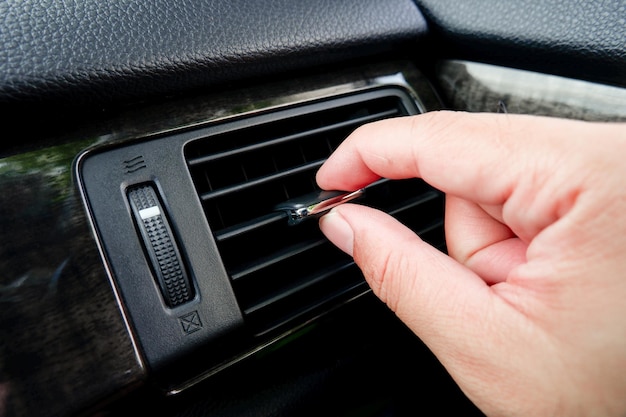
(63, 341)
(480, 87)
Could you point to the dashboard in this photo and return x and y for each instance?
(148, 265)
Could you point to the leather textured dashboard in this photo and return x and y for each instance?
(93, 51)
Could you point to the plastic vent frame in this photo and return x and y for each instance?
(254, 278)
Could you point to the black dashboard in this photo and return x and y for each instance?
(145, 265)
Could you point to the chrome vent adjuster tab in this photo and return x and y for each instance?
(316, 204)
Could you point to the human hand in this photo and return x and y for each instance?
(528, 313)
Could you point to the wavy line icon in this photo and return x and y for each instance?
(134, 164)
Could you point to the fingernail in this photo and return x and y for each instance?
(338, 231)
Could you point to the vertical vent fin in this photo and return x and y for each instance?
(284, 275)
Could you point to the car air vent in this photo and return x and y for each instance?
(284, 275)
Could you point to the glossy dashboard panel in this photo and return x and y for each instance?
(64, 342)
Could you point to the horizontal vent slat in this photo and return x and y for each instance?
(328, 273)
(275, 258)
(340, 295)
(413, 203)
(251, 148)
(249, 226)
(433, 226)
(260, 181)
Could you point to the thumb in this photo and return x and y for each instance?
(422, 285)
(455, 313)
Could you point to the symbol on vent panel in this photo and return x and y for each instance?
(134, 164)
(190, 322)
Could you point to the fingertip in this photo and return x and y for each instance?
(332, 175)
(321, 177)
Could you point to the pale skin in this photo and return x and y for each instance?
(528, 311)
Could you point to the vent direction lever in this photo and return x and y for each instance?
(315, 204)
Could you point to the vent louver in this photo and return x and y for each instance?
(284, 275)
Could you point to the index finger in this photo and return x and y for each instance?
(474, 156)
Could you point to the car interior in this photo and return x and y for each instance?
(160, 251)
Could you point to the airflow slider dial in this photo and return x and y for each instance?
(160, 245)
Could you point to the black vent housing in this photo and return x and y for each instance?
(285, 275)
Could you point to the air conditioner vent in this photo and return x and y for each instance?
(284, 275)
